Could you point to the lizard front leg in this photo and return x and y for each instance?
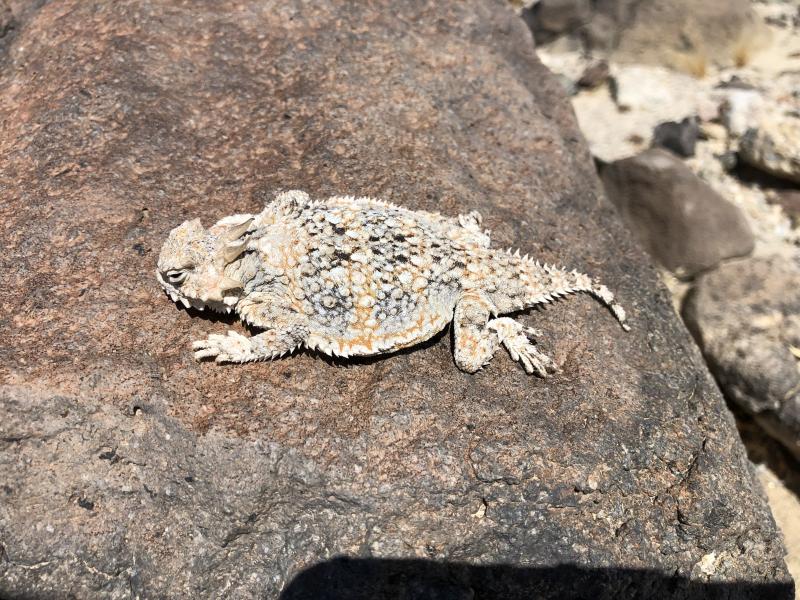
(284, 331)
(478, 336)
(237, 348)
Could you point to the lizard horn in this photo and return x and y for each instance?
(237, 231)
(233, 250)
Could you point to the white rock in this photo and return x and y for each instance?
(708, 564)
(741, 110)
(774, 147)
(670, 94)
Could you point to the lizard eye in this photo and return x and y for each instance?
(175, 276)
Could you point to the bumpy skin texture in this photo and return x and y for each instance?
(357, 276)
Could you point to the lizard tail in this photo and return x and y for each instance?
(546, 283)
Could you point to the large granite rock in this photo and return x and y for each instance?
(746, 317)
(129, 470)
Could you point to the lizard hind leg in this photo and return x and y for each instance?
(478, 336)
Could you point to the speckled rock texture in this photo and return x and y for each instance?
(682, 222)
(746, 318)
(128, 470)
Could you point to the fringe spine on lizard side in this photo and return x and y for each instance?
(546, 283)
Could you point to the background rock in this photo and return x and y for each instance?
(619, 120)
(128, 469)
(741, 109)
(550, 18)
(678, 138)
(595, 75)
(788, 200)
(774, 147)
(738, 98)
(746, 317)
(683, 223)
(683, 34)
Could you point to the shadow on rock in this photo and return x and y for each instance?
(400, 579)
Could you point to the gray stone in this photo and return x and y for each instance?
(735, 82)
(683, 34)
(594, 75)
(129, 470)
(600, 35)
(677, 137)
(746, 318)
(550, 18)
(683, 223)
(788, 200)
(741, 110)
(570, 87)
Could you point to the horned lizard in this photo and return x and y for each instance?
(357, 276)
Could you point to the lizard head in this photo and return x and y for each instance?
(191, 266)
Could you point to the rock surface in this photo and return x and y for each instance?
(683, 223)
(619, 119)
(774, 147)
(741, 109)
(746, 317)
(129, 470)
(788, 200)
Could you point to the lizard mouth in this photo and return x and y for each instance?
(226, 305)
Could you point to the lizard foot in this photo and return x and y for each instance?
(516, 339)
(233, 347)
